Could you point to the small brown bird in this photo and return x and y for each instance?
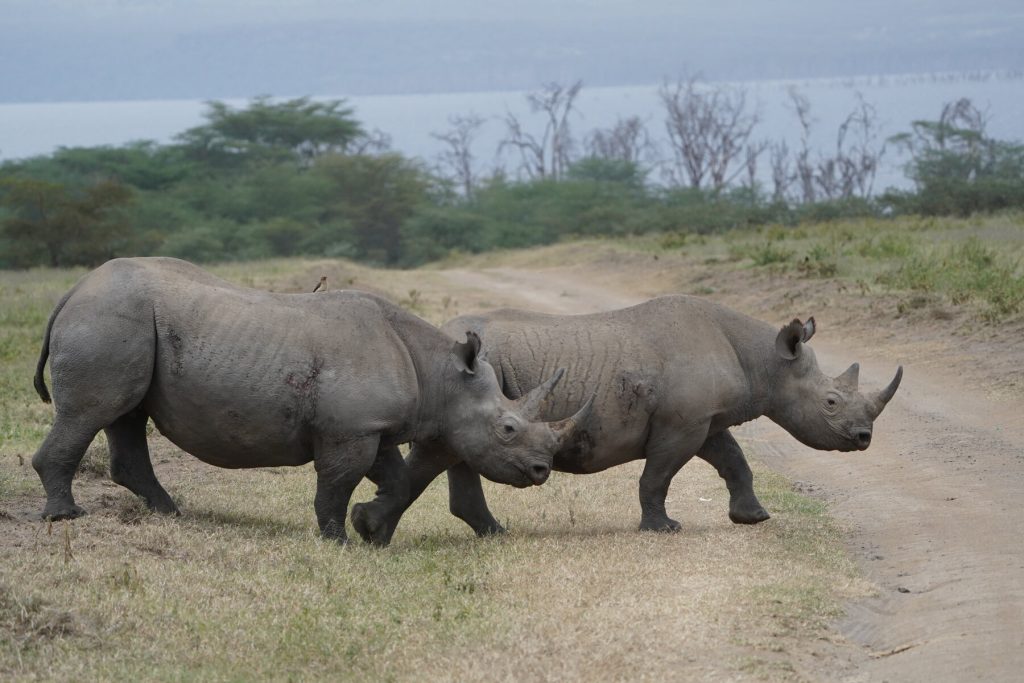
(322, 285)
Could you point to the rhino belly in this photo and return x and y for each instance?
(231, 419)
(597, 448)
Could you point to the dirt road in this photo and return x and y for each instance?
(931, 507)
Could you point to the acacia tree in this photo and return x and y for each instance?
(300, 127)
(955, 145)
(548, 155)
(709, 128)
(458, 155)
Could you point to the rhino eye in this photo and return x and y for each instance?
(831, 403)
(509, 429)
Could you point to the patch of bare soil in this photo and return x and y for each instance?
(931, 506)
(20, 524)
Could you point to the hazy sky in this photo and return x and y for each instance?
(55, 50)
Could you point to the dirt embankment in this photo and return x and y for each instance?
(931, 506)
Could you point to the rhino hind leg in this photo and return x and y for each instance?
(726, 456)
(130, 464)
(56, 462)
(340, 466)
(467, 502)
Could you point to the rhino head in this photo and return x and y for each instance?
(827, 413)
(497, 436)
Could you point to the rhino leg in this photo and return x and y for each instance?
(726, 456)
(130, 465)
(380, 516)
(467, 502)
(56, 462)
(373, 520)
(340, 465)
(666, 454)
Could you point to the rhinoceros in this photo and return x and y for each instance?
(245, 378)
(670, 376)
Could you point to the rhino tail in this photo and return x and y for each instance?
(40, 381)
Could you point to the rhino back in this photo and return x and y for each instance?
(244, 378)
(671, 358)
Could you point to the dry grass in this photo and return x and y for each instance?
(241, 588)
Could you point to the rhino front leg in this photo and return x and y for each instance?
(340, 466)
(373, 521)
(377, 520)
(467, 502)
(668, 449)
(666, 454)
(130, 465)
(726, 456)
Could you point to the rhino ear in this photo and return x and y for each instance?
(809, 328)
(466, 353)
(790, 337)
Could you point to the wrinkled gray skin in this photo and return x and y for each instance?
(670, 377)
(245, 378)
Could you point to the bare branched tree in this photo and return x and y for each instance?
(708, 128)
(804, 171)
(751, 154)
(858, 153)
(782, 173)
(850, 170)
(549, 155)
(457, 156)
(627, 140)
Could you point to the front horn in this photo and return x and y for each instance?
(881, 398)
(565, 430)
(532, 402)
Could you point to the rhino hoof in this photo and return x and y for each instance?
(164, 507)
(749, 515)
(664, 525)
(64, 511)
(490, 530)
(371, 527)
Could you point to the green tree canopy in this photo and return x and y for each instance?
(300, 127)
(70, 227)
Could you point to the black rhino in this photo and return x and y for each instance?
(245, 378)
(670, 377)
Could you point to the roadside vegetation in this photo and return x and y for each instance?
(299, 177)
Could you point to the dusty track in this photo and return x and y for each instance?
(932, 506)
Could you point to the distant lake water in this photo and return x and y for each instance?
(40, 128)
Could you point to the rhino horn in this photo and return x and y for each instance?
(850, 378)
(565, 430)
(531, 403)
(881, 398)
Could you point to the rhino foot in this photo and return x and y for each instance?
(663, 524)
(748, 512)
(164, 507)
(371, 524)
(57, 511)
(492, 529)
